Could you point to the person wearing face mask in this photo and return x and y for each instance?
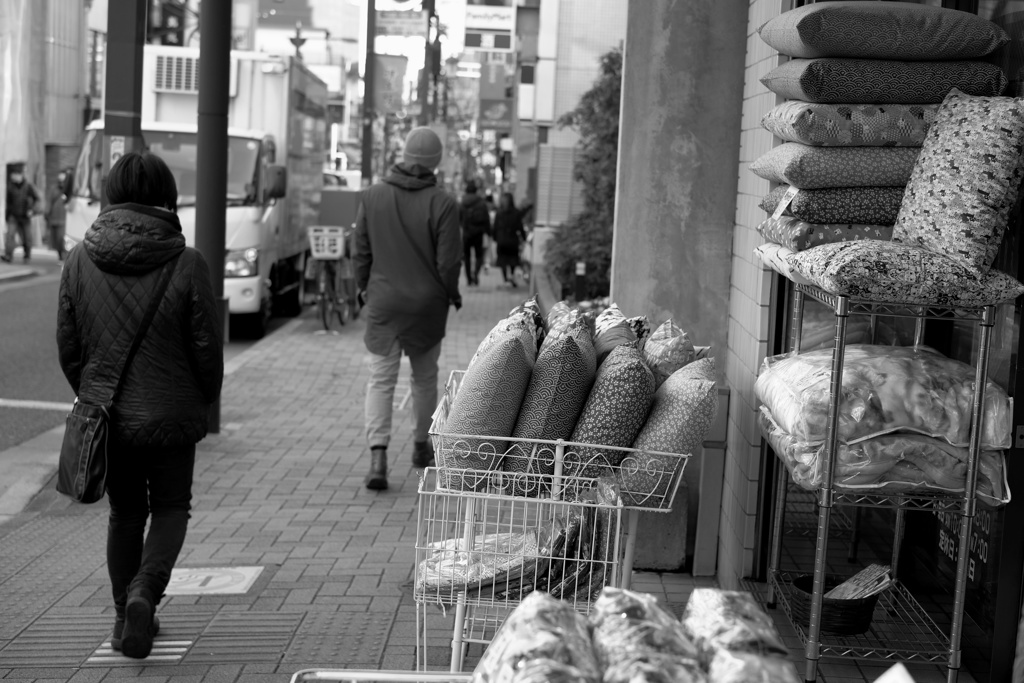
(21, 203)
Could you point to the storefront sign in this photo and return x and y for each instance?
(406, 24)
(388, 83)
(490, 28)
(496, 115)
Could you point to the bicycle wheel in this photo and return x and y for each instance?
(347, 298)
(326, 299)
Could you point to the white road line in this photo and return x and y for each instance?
(34, 405)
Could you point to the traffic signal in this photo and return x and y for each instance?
(172, 24)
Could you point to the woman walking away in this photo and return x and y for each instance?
(509, 236)
(161, 410)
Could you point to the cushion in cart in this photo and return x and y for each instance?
(614, 413)
(901, 273)
(641, 326)
(849, 125)
(486, 404)
(869, 205)
(683, 411)
(776, 257)
(668, 349)
(881, 81)
(966, 181)
(798, 235)
(611, 328)
(558, 388)
(809, 167)
(881, 30)
(526, 315)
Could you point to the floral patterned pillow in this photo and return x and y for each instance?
(615, 410)
(901, 273)
(641, 327)
(870, 205)
(668, 349)
(486, 405)
(847, 125)
(561, 382)
(881, 30)
(880, 81)
(611, 328)
(776, 257)
(683, 411)
(810, 167)
(966, 181)
(798, 235)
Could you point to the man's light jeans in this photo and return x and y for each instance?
(380, 393)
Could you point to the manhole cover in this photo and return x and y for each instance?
(212, 580)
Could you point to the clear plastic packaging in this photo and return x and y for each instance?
(744, 667)
(889, 462)
(884, 389)
(541, 635)
(626, 626)
(729, 620)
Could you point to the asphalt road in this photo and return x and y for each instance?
(29, 370)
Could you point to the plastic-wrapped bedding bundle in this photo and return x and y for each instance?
(542, 639)
(729, 620)
(744, 667)
(885, 389)
(637, 641)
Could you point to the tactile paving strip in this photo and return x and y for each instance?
(341, 639)
(177, 634)
(66, 550)
(60, 640)
(244, 637)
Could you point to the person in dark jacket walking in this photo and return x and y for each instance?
(22, 199)
(509, 236)
(162, 409)
(476, 224)
(56, 215)
(407, 268)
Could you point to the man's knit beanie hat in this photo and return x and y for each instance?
(423, 147)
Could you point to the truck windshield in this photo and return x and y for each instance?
(179, 150)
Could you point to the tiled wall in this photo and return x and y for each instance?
(748, 314)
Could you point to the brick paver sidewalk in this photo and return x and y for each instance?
(279, 488)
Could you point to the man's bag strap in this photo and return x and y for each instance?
(432, 267)
(158, 295)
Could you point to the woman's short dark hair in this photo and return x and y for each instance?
(142, 178)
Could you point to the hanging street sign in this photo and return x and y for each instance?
(405, 24)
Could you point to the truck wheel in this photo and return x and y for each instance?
(291, 301)
(255, 325)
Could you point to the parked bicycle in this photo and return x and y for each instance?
(331, 248)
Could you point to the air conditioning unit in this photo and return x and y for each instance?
(180, 74)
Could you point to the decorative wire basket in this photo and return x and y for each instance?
(647, 480)
(328, 242)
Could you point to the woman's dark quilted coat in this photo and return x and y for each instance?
(105, 288)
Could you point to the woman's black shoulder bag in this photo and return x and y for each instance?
(82, 470)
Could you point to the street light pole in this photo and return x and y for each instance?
(368, 78)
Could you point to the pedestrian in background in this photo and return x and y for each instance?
(407, 270)
(162, 409)
(509, 236)
(476, 224)
(56, 214)
(22, 199)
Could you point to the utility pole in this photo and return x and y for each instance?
(212, 161)
(368, 113)
(423, 93)
(122, 116)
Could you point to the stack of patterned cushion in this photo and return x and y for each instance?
(900, 163)
(618, 385)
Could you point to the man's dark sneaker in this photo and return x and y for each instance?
(422, 454)
(377, 479)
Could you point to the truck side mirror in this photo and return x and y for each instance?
(277, 182)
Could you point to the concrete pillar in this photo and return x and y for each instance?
(676, 193)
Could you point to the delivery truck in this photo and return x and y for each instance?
(276, 148)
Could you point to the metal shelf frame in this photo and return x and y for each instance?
(911, 618)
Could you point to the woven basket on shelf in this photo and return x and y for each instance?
(838, 617)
